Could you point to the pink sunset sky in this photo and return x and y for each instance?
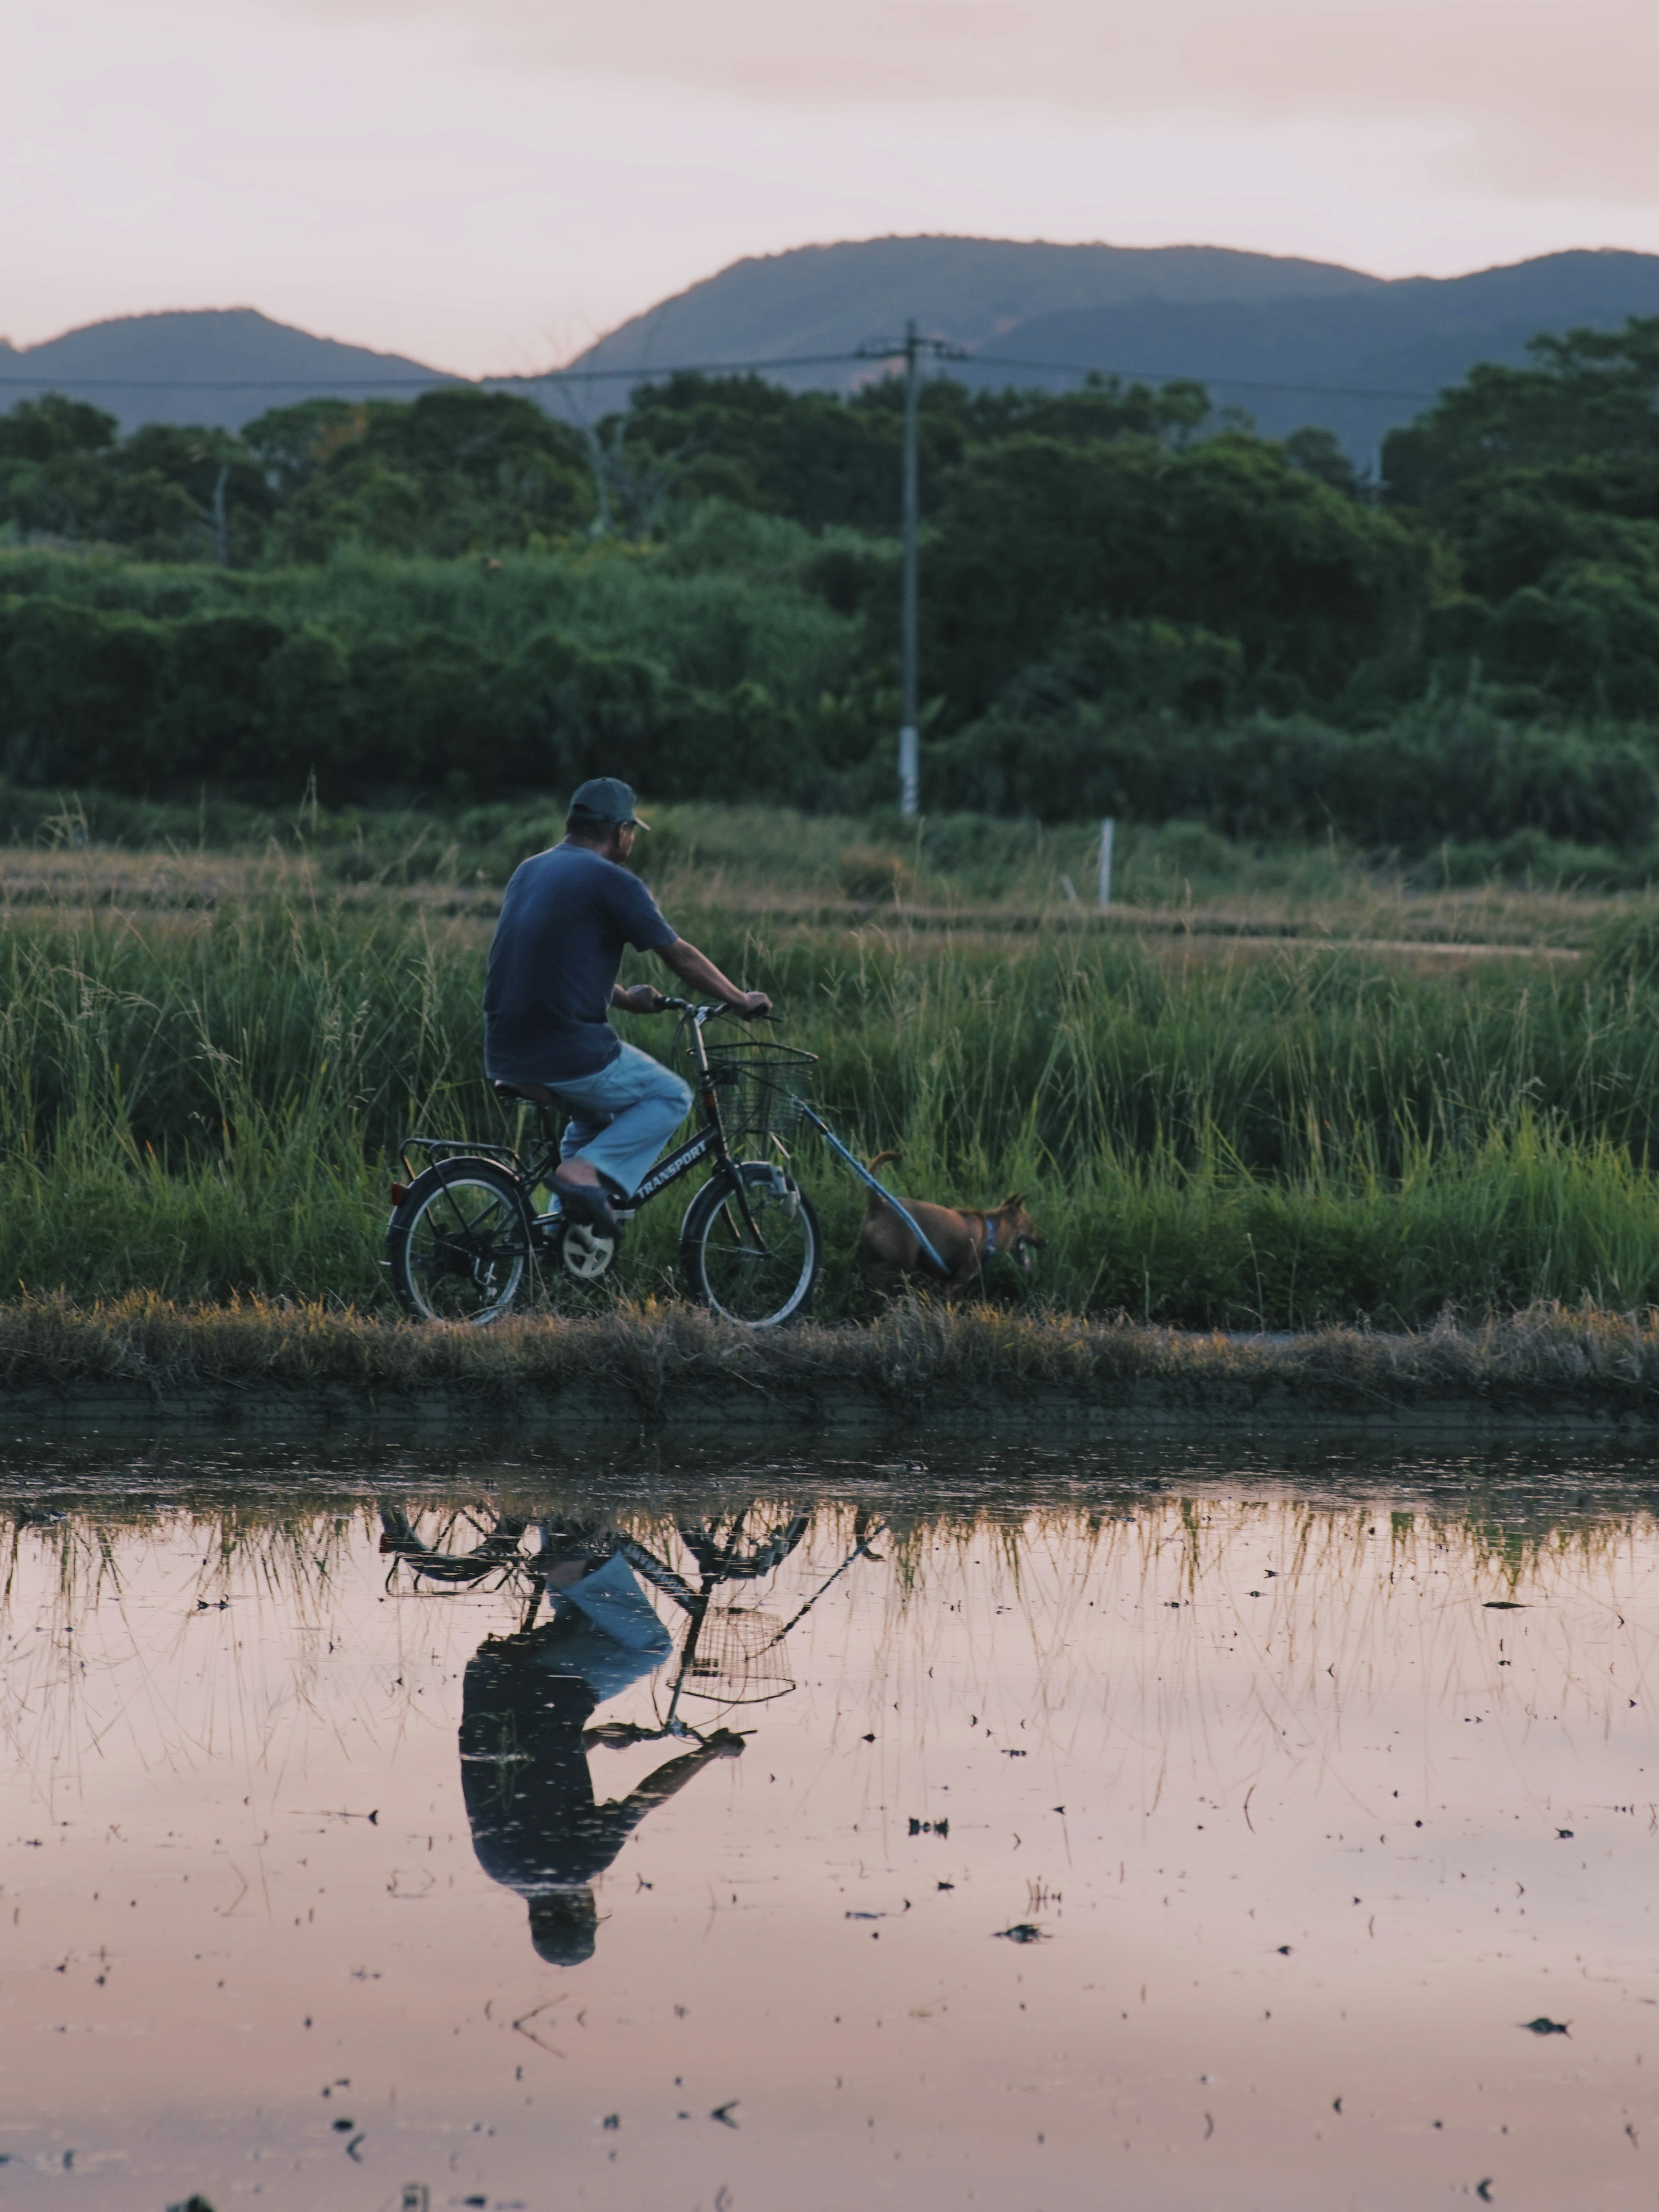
(489, 186)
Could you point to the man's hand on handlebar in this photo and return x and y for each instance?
(697, 969)
(639, 999)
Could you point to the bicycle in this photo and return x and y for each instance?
(729, 1656)
(467, 1231)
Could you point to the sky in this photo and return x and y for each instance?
(489, 187)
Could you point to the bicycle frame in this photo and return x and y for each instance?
(537, 1165)
(711, 1136)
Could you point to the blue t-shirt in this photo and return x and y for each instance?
(564, 921)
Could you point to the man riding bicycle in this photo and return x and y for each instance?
(567, 917)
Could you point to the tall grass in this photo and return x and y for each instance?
(204, 1105)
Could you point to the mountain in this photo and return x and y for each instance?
(830, 299)
(220, 366)
(1372, 359)
(1288, 342)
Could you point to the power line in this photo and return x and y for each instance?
(398, 383)
(683, 368)
(1171, 376)
(646, 375)
(47, 382)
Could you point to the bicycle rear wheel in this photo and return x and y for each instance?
(759, 1281)
(458, 1244)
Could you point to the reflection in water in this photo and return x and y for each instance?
(525, 1744)
(536, 1826)
(1320, 1790)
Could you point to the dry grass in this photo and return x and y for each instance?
(919, 1365)
(1378, 910)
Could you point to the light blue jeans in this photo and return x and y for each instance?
(621, 1118)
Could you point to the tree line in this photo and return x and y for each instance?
(1131, 602)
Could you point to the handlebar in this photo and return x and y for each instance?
(700, 1014)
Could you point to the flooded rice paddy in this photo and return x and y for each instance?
(1021, 1830)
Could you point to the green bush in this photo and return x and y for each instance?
(1413, 783)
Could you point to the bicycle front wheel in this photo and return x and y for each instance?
(758, 1279)
(458, 1244)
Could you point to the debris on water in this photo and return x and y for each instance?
(1284, 1950)
(194, 2204)
(1012, 1755)
(947, 1885)
(1504, 1605)
(1023, 1931)
(1542, 2025)
(1565, 1833)
(1483, 2190)
(930, 1827)
(723, 2112)
(343, 2127)
(612, 2120)
(871, 1737)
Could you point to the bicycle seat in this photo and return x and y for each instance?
(537, 1093)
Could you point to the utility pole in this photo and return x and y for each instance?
(221, 516)
(909, 349)
(909, 773)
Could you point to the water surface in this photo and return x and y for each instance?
(1173, 1832)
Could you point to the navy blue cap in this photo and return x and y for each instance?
(603, 799)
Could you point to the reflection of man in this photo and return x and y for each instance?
(525, 1702)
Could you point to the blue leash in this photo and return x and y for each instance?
(865, 1175)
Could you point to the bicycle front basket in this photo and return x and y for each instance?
(757, 1085)
(738, 1659)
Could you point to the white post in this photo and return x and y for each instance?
(909, 779)
(1106, 829)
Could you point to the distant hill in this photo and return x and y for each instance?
(829, 299)
(220, 366)
(1380, 355)
(1288, 342)
(1252, 326)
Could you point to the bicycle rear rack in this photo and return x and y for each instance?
(442, 1148)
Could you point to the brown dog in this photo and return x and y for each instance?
(964, 1241)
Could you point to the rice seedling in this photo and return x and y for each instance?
(207, 1102)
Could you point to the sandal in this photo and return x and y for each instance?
(585, 1201)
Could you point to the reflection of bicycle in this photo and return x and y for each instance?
(469, 1228)
(731, 1655)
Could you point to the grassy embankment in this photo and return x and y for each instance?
(206, 1061)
